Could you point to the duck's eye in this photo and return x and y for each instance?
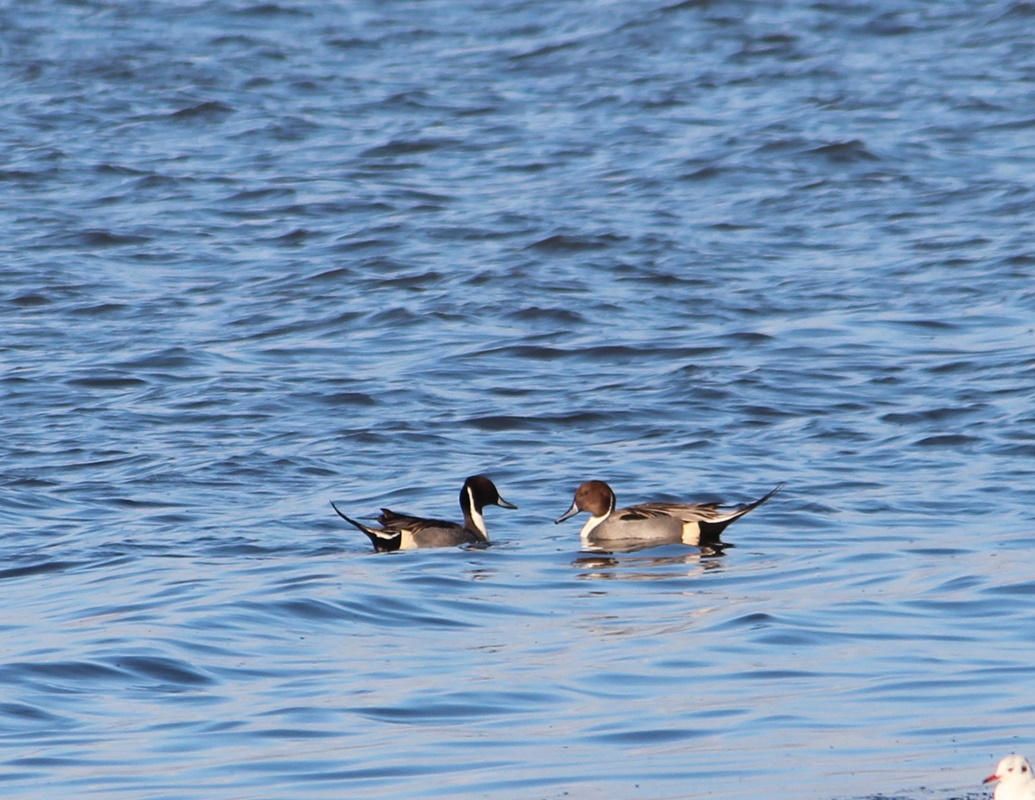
(1024, 769)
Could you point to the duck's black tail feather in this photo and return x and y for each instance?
(383, 541)
(711, 530)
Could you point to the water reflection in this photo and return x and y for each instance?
(621, 565)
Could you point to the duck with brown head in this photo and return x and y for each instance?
(650, 524)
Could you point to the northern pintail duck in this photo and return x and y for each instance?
(649, 524)
(405, 532)
(1015, 779)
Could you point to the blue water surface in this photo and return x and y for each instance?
(259, 256)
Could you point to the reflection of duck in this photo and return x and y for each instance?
(1015, 779)
(605, 565)
(405, 532)
(649, 524)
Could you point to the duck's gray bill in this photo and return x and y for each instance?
(571, 512)
(505, 504)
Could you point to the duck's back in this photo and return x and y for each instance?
(420, 532)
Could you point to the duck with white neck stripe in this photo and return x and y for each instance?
(407, 532)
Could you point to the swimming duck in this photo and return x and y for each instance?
(405, 532)
(1015, 779)
(649, 524)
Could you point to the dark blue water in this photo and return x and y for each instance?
(259, 256)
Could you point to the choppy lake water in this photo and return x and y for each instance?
(259, 256)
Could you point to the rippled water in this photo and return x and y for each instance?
(259, 256)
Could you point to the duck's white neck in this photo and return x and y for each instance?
(477, 520)
(591, 523)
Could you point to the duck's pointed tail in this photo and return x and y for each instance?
(383, 541)
(713, 528)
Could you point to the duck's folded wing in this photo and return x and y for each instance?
(396, 521)
(688, 512)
